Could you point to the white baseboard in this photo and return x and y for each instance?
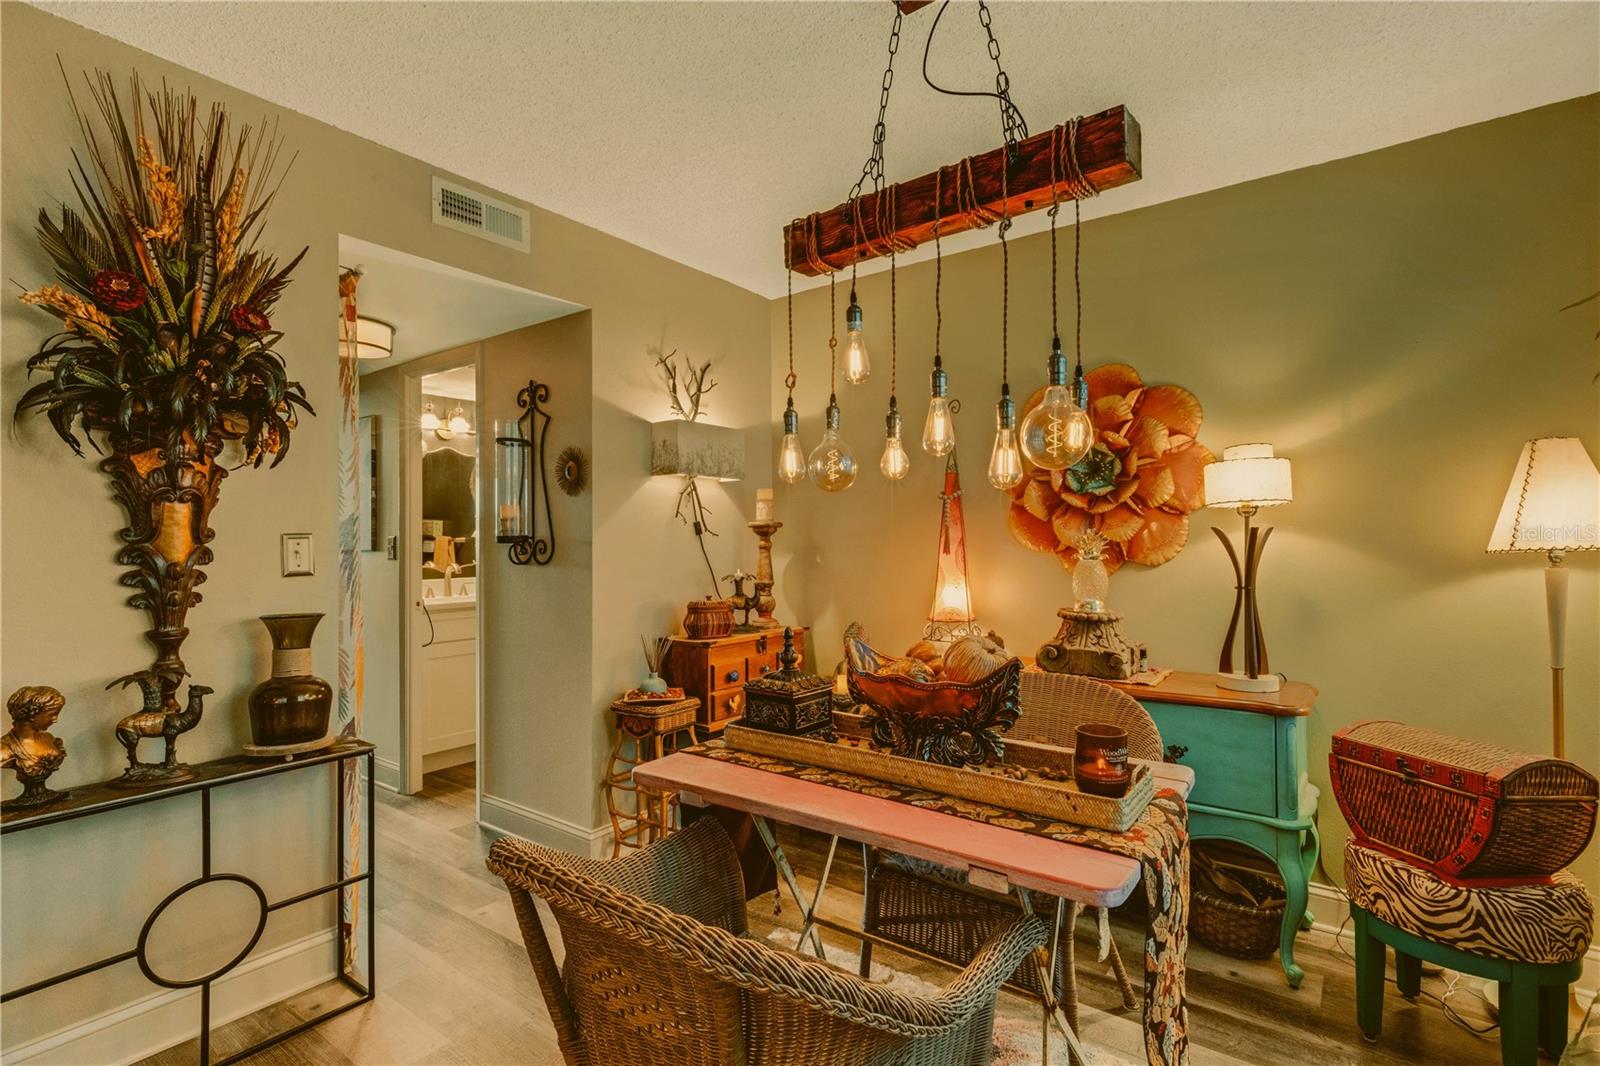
(386, 773)
(513, 819)
(164, 1019)
(445, 758)
(1330, 907)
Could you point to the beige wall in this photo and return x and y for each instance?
(1389, 321)
(65, 624)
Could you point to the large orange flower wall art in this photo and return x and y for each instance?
(1136, 487)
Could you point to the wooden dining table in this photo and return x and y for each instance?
(992, 856)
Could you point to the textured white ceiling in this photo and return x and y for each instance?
(698, 129)
(433, 307)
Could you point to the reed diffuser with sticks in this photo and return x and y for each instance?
(655, 653)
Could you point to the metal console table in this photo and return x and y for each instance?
(87, 800)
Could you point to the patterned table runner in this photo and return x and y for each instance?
(1159, 840)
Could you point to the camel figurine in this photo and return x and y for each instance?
(151, 720)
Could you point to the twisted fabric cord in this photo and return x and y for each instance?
(833, 331)
(1005, 282)
(938, 266)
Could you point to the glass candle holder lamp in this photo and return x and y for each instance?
(1100, 760)
(511, 480)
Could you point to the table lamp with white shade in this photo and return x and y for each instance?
(1247, 478)
(1552, 506)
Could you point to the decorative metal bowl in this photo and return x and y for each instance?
(949, 722)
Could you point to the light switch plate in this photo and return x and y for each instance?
(298, 557)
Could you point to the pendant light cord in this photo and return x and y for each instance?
(1005, 279)
(833, 337)
(789, 380)
(1066, 169)
(938, 268)
(893, 356)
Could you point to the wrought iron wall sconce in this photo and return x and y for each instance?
(520, 483)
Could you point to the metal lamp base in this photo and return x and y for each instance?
(1246, 683)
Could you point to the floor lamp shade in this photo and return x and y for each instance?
(1553, 506)
(1553, 502)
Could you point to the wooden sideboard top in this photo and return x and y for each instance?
(739, 638)
(1294, 700)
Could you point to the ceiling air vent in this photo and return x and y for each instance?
(459, 207)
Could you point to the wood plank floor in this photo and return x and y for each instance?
(455, 988)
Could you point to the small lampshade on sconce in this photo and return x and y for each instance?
(1552, 506)
(520, 483)
(374, 338)
(1246, 479)
(696, 449)
(458, 421)
(429, 422)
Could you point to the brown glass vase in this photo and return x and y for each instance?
(290, 709)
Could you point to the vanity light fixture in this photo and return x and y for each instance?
(429, 422)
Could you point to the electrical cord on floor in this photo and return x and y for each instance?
(1444, 1001)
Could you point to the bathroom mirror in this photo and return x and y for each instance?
(449, 509)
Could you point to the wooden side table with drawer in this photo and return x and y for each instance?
(715, 671)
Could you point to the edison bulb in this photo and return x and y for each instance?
(791, 459)
(1057, 433)
(1005, 458)
(939, 429)
(857, 367)
(429, 420)
(895, 463)
(833, 464)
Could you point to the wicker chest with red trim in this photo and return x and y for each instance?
(1466, 810)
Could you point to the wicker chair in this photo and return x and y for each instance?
(933, 911)
(658, 969)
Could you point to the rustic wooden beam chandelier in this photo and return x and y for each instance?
(1014, 179)
(1070, 162)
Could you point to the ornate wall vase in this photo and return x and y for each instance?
(168, 495)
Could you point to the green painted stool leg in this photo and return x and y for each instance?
(1370, 957)
(1553, 1019)
(1519, 1017)
(1408, 974)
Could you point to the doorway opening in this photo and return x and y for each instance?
(427, 444)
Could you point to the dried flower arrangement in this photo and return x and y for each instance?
(165, 297)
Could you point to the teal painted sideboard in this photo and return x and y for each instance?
(1248, 752)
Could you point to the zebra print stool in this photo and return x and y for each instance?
(1529, 938)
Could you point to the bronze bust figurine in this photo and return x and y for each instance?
(28, 749)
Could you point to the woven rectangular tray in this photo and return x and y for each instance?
(1060, 800)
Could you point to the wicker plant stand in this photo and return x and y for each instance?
(644, 732)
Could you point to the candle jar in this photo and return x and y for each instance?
(1100, 762)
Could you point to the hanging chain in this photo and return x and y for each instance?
(1011, 121)
(874, 165)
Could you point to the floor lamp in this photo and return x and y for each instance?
(1552, 506)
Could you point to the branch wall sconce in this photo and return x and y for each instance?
(1248, 478)
(521, 485)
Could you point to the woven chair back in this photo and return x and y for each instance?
(1055, 705)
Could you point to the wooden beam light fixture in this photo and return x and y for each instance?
(965, 195)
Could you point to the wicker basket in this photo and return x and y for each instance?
(1237, 929)
(1466, 810)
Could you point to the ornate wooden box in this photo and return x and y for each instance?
(1466, 810)
(788, 700)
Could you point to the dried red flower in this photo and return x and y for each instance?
(118, 291)
(247, 319)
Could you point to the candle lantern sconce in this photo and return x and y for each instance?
(522, 488)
